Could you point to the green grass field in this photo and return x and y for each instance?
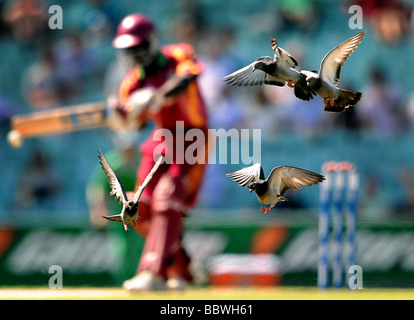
(205, 293)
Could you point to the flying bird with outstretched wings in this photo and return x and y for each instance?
(129, 213)
(277, 71)
(272, 189)
(324, 83)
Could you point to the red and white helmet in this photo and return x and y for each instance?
(133, 30)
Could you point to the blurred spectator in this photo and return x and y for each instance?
(191, 22)
(39, 184)
(99, 27)
(218, 55)
(390, 19)
(62, 73)
(263, 114)
(228, 111)
(303, 15)
(225, 103)
(100, 20)
(4, 28)
(380, 109)
(305, 118)
(347, 120)
(370, 7)
(44, 85)
(75, 61)
(8, 108)
(392, 23)
(27, 20)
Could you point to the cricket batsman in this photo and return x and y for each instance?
(161, 88)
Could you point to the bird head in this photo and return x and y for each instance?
(258, 65)
(252, 186)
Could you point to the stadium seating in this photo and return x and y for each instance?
(75, 155)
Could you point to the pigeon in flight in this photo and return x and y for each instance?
(271, 190)
(273, 71)
(129, 213)
(325, 82)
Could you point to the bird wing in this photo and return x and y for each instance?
(114, 183)
(247, 175)
(283, 57)
(148, 178)
(248, 76)
(333, 61)
(283, 178)
(116, 218)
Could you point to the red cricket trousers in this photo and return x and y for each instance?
(164, 203)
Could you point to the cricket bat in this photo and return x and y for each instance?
(60, 120)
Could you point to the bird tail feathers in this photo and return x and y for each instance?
(302, 90)
(346, 98)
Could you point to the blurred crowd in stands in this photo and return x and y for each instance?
(44, 69)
